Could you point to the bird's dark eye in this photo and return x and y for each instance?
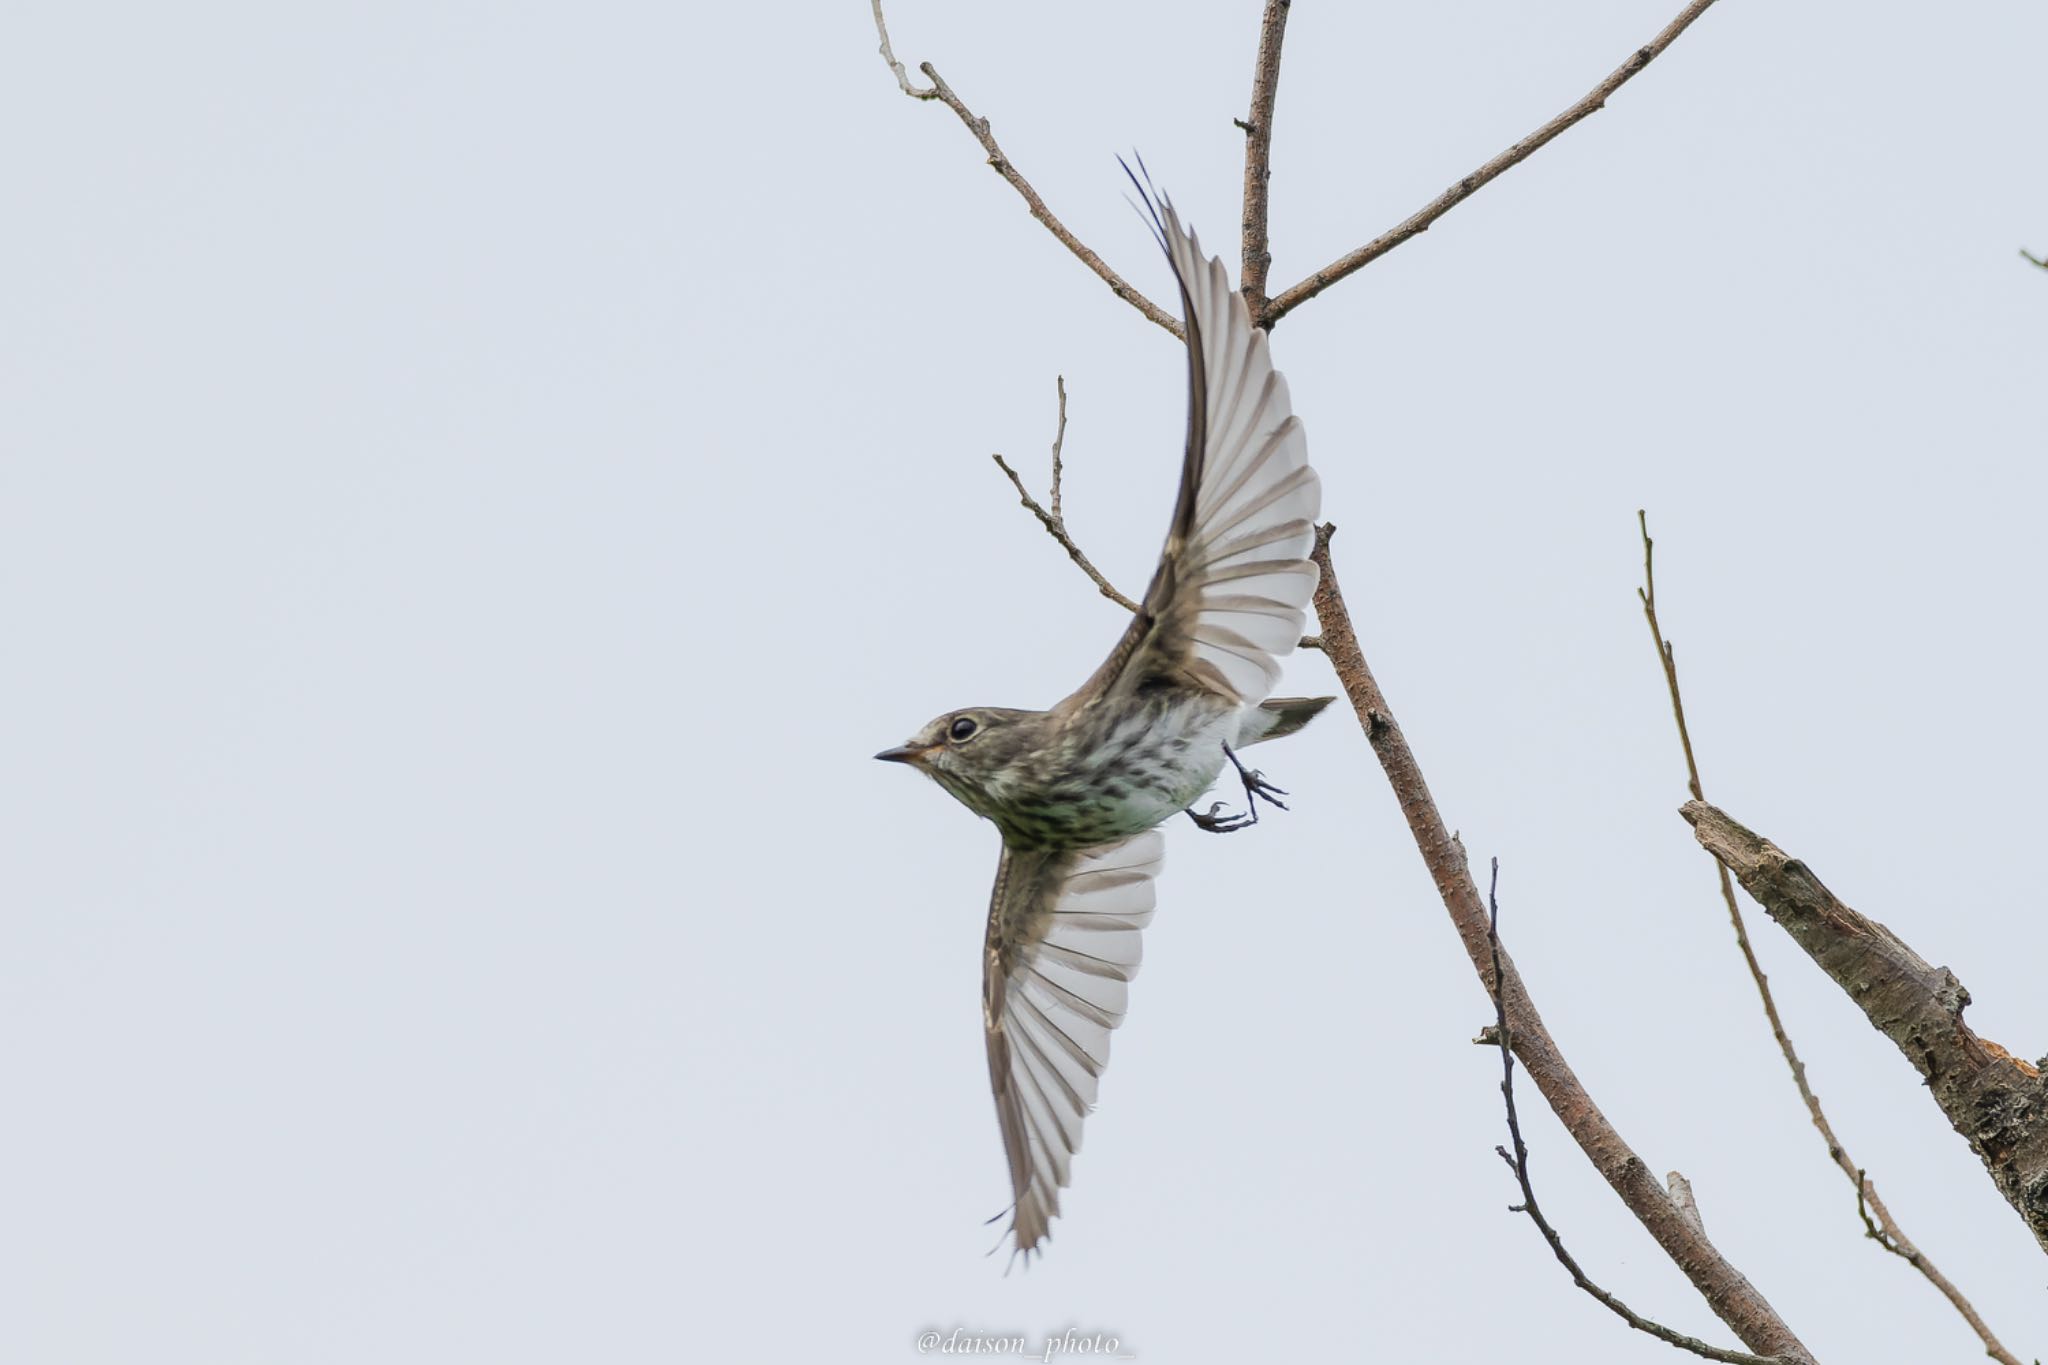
(963, 728)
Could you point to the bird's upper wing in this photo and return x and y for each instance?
(1063, 944)
(1234, 582)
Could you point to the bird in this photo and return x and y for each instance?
(1080, 790)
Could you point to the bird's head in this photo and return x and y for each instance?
(974, 753)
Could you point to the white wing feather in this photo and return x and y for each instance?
(1243, 578)
(1064, 937)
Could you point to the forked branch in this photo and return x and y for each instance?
(1055, 522)
(1052, 520)
(1258, 169)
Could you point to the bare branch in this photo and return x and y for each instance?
(943, 93)
(1886, 1231)
(1056, 527)
(2035, 259)
(1519, 1164)
(1732, 1297)
(1420, 220)
(1996, 1101)
(1258, 157)
(1055, 522)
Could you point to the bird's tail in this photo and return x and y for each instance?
(1278, 716)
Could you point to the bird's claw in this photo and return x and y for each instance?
(1220, 824)
(1256, 788)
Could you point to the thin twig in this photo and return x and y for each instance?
(1519, 1164)
(889, 56)
(1055, 523)
(1258, 157)
(1871, 1229)
(1059, 441)
(1421, 220)
(1056, 527)
(2035, 259)
(1726, 1290)
(1885, 1231)
(943, 93)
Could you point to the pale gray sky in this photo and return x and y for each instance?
(478, 481)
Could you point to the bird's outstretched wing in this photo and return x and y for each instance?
(1063, 944)
(1234, 581)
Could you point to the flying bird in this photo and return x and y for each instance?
(1079, 791)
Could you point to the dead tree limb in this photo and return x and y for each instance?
(1420, 221)
(1884, 1229)
(1998, 1102)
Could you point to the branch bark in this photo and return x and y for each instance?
(1885, 1230)
(1420, 221)
(1727, 1291)
(1998, 1102)
(1258, 158)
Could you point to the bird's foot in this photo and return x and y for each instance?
(1256, 787)
(1221, 824)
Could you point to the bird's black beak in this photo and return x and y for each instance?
(902, 753)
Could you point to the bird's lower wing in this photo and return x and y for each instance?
(1063, 944)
